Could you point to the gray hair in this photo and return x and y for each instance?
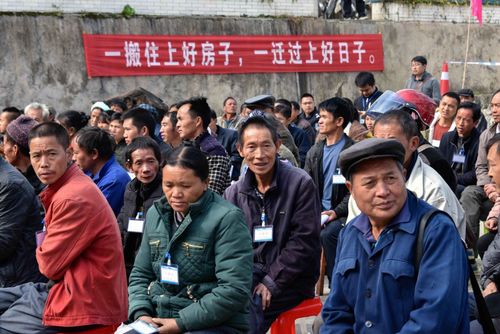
(38, 106)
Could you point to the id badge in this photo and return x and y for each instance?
(170, 274)
(458, 158)
(338, 178)
(263, 233)
(40, 236)
(135, 225)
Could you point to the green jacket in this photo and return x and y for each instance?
(212, 248)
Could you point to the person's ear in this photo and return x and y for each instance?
(278, 144)
(145, 132)
(239, 147)
(348, 184)
(94, 154)
(414, 143)
(15, 149)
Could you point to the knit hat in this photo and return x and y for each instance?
(19, 130)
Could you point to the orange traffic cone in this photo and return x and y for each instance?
(444, 86)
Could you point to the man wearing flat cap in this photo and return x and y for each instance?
(380, 285)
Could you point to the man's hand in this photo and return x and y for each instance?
(490, 288)
(491, 191)
(166, 326)
(331, 216)
(491, 225)
(264, 293)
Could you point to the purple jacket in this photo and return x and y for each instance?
(290, 263)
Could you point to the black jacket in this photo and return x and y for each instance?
(290, 263)
(19, 221)
(431, 156)
(314, 167)
(228, 138)
(448, 146)
(363, 104)
(137, 197)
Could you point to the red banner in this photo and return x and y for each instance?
(125, 55)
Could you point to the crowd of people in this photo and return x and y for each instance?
(190, 220)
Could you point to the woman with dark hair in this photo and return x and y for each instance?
(193, 271)
(72, 121)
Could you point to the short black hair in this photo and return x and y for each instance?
(283, 101)
(401, 118)
(198, 107)
(453, 95)
(116, 117)
(306, 95)
(12, 113)
(213, 114)
(140, 118)
(104, 118)
(92, 138)
(420, 59)
(189, 157)
(118, 102)
(364, 79)
(283, 109)
(339, 107)
(73, 119)
(50, 129)
(259, 122)
(493, 141)
(144, 143)
(476, 109)
(295, 105)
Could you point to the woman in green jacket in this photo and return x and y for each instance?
(193, 271)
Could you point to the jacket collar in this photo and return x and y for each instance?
(249, 183)
(104, 170)
(46, 195)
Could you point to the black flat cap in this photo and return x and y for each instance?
(369, 149)
(260, 102)
(466, 92)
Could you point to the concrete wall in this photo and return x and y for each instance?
(42, 59)
(170, 7)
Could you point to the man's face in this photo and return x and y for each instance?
(144, 165)
(230, 107)
(417, 68)
(283, 120)
(307, 105)
(130, 131)
(186, 124)
(466, 99)
(494, 165)
(4, 121)
(116, 130)
(9, 151)
(394, 131)
(464, 122)
(94, 115)
(259, 150)
(116, 108)
(83, 159)
(213, 125)
(495, 108)
(49, 159)
(295, 113)
(36, 114)
(367, 90)
(328, 124)
(167, 130)
(448, 108)
(378, 187)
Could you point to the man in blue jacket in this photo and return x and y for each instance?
(379, 285)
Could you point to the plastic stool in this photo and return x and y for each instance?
(285, 324)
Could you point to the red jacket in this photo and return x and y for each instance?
(82, 253)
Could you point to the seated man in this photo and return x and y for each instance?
(460, 146)
(80, 251)
(17, 151)
(93, 152)
(19, 221)
(424, 181)
(282, 210)
(381, 284)
(193, 118)
(143, 159)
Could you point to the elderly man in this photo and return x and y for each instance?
(79, 250)
(382, 284)
(38, 111)
(282, 211)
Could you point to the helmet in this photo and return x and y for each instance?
(425, 106)
(420, 107)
